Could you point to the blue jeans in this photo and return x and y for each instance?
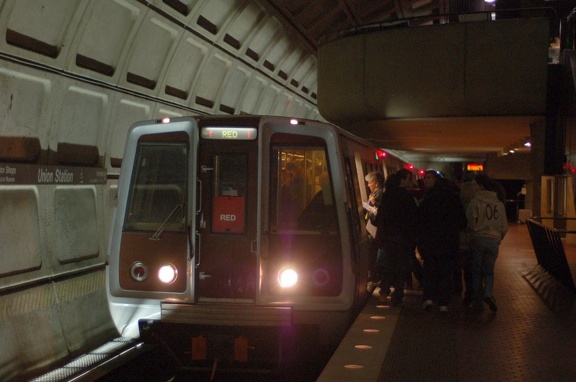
(484, 254)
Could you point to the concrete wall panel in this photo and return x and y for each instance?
(185, 68)
(145, 67)
(125, 111)
(40, 30)
(253, 92)
(212, 81)
(24, 103)
(105, 33)
(83, 117)
(231, 94)
(19, 218)
(75, 233)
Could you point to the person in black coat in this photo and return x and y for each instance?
(440, 219)
(395, 222)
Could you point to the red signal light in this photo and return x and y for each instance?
(379, 154)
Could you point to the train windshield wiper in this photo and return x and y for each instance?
(160, 229)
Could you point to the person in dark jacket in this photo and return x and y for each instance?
(415, 267)
(395, 222)
(441, 217)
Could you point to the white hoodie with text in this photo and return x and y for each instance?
(486, 216)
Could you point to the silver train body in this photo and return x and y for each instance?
(237, 237)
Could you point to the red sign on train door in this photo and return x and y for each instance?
(228, 214)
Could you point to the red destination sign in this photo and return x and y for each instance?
(228, 214)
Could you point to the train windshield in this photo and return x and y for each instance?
(303, 189)
(157, 194)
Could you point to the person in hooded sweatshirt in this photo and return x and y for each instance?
(487, 224)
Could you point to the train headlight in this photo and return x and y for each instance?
(287, 277)
(167, 273)
(139, 271)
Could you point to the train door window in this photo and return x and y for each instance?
(229, 193)
(302, 190)
(157, 195)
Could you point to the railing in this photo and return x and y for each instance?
(549, 250)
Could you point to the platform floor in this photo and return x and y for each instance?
(532, 337)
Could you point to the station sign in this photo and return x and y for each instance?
(20, 174)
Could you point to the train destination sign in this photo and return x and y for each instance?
(475, 167)
(19, 174)
(229, 132)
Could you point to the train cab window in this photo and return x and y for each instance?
(156, 197)
(301, 189)
(229, 193)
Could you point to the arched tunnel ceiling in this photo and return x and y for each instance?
(420, 138)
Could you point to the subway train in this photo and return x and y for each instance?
(240, 238)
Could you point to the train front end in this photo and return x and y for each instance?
(230, 240)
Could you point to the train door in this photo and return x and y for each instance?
(226, 236)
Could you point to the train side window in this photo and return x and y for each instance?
(229, 193)
(354, 190)
(301, 190)
(158, 188)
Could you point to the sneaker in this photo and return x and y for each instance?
(491, 303)
(443, 308)
(427, 305)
